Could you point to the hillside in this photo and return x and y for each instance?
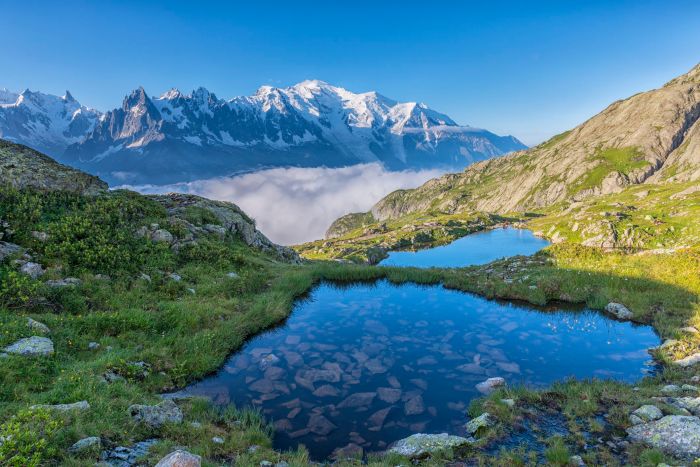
(589, 184)
(179, 137)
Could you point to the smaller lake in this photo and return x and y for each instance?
(478, 248)
(368, 364)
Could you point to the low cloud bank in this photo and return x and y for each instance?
(296, 205)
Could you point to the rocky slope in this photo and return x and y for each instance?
(177, 137)
(22, 167)
(650, 137)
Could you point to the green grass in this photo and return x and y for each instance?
(622, 160)
(184, 336)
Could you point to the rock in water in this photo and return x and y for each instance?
(31, 346)
(421, 444)
(677, 435)
(618, 310)
(490, 385)
(156, 415)
(180, 458)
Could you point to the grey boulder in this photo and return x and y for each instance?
(156, 415)
(618, 310)
(677, 435)
(180, 458)
(31, 346)
(422, 444)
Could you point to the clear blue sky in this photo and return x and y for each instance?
(531, 69)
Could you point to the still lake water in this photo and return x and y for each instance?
(478, 248)
(369, 363)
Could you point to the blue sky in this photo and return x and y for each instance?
(532, 69)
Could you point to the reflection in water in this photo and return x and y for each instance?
(478, 248)
(370, 364)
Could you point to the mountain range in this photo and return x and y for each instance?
(180, 137)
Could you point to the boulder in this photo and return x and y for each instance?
(7, 250)
(180, 458)
(482, 421)
(80, 405)
(33, 270)
(618, 310)
(422, 444)
(41, 236)
(162, 235)
(690, 360)
(156, 415)
(676, 435)
(31, 346)
(36, 326)
(490, 385)
(646, 413)
(86, 444)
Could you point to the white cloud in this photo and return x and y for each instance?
(296, 205)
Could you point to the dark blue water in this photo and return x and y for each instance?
(369, 364)
(478, 248)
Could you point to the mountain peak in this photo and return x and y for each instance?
(68, 97)
(171, 94)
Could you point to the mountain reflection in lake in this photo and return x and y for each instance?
(368, 364)
(478, 248)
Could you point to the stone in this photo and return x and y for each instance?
(162, 235)
(389, 395)
(358, 400)
(326, 391)
(482, 421)
(156, 415)
(268, 360)
(576, 461)
(33, 270)
(122, 456)
(217, 440)
(232, 275)
(80, 405)
(508, 402)
(414, 406)
(265, 464)
(112, 377)
(349, 451)
(376, 420)
(31, 346)
(689, 387)
(677, 435)
(86, 444)
(690, 330)
(647, 413)
(67, 282)
(175, 277)
(490, 385)
(7, 250)
(93, 346)
(180, 458)
(618, 310)
(670, 389)
(421, 444)
(691, 404)
(320, 425)
(145, 277)
(37, 326)
(690, 360)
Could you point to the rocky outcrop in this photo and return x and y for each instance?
(677, 435)
(618, 310)
(231, 220)
(86, 444)
(22, 167)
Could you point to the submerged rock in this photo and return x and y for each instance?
(180, 458)
(677, 435)
(421, 444)
(618, 310)
(156, 415)
(31, 346)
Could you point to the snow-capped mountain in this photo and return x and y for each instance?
(178, 137)
(44, 122)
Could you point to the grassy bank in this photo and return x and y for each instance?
(182, 312)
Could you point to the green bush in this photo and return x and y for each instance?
(25, 438)
(16, 289)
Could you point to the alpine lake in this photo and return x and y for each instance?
(366, 364)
